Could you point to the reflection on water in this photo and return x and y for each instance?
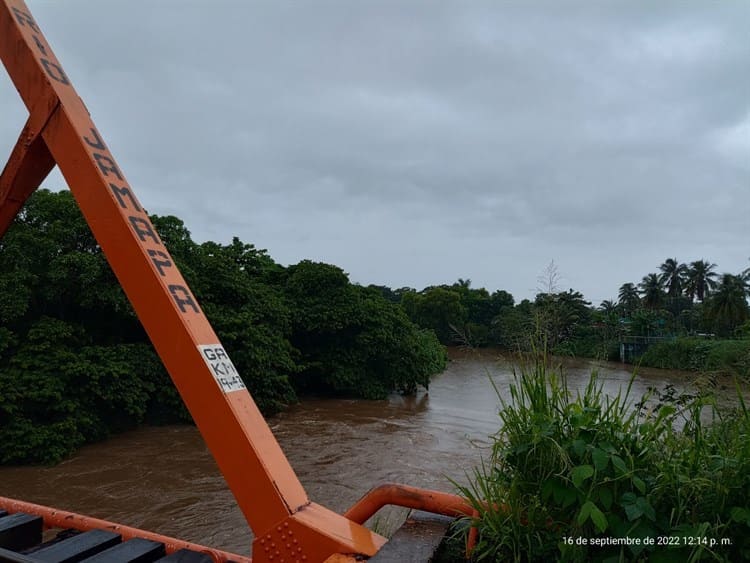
(164, 479)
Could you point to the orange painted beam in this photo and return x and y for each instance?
(394, 494)
(266, 488)
(28, 166)
(415, 498)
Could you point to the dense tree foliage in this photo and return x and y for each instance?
(699, 280)
(629, 301)
(438, 308)
(559, 314)
(76, 365)
(727, 308)
(351, 339)
(680, 300)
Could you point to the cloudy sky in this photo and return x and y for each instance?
(413, 143)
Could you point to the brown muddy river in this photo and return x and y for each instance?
(163, 479)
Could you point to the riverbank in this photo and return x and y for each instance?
(676, 372)
(164, 479)
(721, 357)
(713, 356)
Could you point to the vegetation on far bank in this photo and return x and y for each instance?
(590, 477)
(683, 306)
(711, 356)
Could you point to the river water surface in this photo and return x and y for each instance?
(164, 479)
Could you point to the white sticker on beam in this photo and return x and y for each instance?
(222, 368)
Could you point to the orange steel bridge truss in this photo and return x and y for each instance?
(60, 131)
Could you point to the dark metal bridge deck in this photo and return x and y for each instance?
(22, 540)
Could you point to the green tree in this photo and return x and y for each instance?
(439, 309)
(481, 309)
(647, 322)
(395, 355)
(727, 308)
(351, 340)
(386, 292)
(609, 315)
(629, 299)
(250, 316)
(58, 391)
(672, 276)
(512, 326)
(609, 308)
(50, 265)
(745, 277)
(700, 280)
(559, 314)
(652, 291)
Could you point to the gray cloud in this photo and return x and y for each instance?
(415, 143)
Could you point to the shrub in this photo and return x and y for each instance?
(568, 466)
(696, 354)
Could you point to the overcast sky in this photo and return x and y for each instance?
(413, 143)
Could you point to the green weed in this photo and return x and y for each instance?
(665, 483)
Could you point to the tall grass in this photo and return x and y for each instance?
(569, 466)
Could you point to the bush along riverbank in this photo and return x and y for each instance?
(726, 357)
(589, 477)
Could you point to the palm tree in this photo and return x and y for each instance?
(700, 280)
(629, 299)
(728, 307)
(608, 307)
(745, 277)
(610, 312)
(672, 276)
(652, 291)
